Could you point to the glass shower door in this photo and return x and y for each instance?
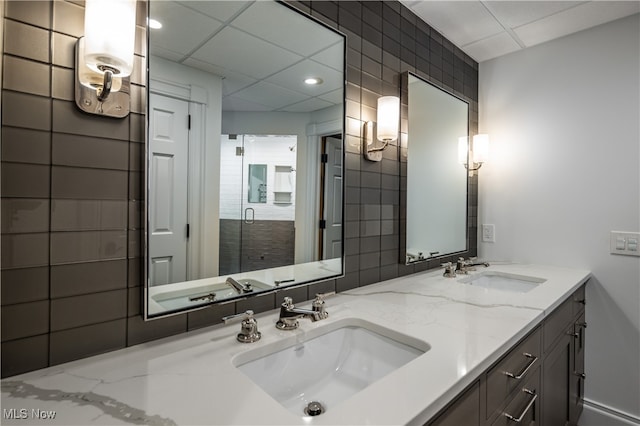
(257, 202)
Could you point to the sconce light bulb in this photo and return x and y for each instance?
(480, 148)
(388, 118)
(90, 78)
(110, 27)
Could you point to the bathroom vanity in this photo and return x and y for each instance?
(507, 339)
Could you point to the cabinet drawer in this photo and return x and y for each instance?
(524, 407)
(512, 371)
(556, 324)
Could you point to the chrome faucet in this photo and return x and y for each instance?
(249, 328)
(289, 314)
(465, 266)
(238, 286)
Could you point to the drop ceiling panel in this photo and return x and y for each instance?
(239, 51)
(482, 28)
(205, 66)
(166, 53)
(236, 81)
(297, 35)
(334, 97)
(221, 10)
(231, 103)
(309, 105)
(270, 95)
(462, 22)
(578, 18)
(293, 78)
(230, 39)
(332, 57)
(173, 35)
(492, 47)
(516, 13)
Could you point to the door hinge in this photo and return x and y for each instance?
(323, 224)
(324, 158)
(239, 151)
(188, 230)
(189, 121)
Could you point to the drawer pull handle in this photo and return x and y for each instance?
(526, 409)
(525, 369)
(575, 335)
(582, 302)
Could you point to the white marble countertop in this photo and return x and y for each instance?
(189, 379)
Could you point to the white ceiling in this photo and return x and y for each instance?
(487, 29)
(263, 62)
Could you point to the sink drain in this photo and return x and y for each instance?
(314, 408)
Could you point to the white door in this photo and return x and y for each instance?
(332, 235)
(168, 175)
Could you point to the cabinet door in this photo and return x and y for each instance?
(556, 373)
(577, 377)
(465, 411)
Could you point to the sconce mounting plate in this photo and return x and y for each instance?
(368, 140)
(116, 105)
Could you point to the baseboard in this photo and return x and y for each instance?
(596, 414)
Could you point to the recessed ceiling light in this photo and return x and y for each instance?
(313, 81)
(155, 24)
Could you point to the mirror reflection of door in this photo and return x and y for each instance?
(169, 161)
(257, 202)
(331, 198)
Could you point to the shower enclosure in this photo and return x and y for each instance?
(257, 202)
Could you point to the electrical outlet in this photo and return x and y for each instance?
(488, 233)
(627, 243)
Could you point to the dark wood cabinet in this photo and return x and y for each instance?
(555, 378)
(465, 410)
(539, 382)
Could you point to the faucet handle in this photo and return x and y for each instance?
(321, 296)
(319, 304)
(449, 270)
(248, 329)
(287, 302)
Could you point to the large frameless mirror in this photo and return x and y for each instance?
(437, 123)
(244, 152)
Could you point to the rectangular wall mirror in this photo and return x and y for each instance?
(245, 122)
(436, 223)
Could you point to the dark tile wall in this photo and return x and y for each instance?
(72, 197)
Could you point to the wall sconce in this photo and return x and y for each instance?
(387, 128)
(478, 152)
(104, 57)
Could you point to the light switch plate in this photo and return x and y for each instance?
(488, 233)
(626, 243)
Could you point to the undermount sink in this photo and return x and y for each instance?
(178, 299)
(503, 281)
(329, 365)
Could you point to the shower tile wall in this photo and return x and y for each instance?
(260, 245)
(72, 184)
